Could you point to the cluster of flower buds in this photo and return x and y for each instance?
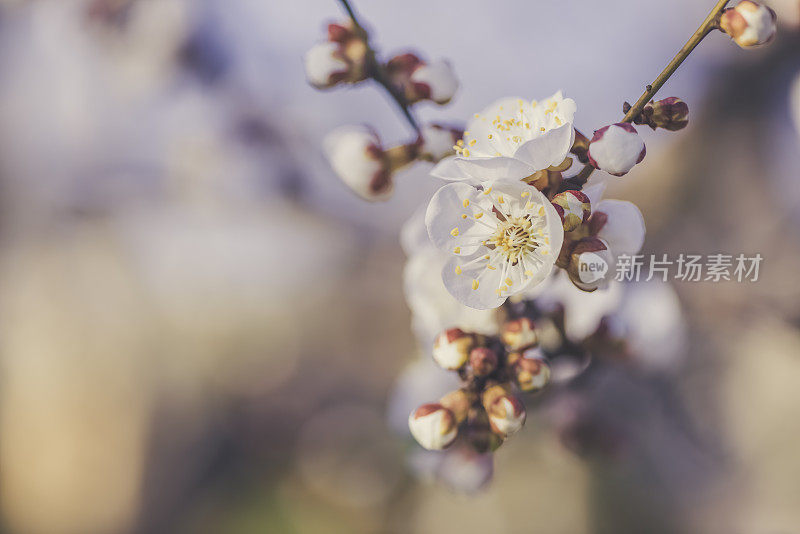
(494, 370)
(749, 24)
(418, 80)
(341, 58)
(358, 157)
(356, 153)
(669, 114)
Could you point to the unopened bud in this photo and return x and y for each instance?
(670, 114)
(357, 157)
(339, 59)
(433, 426)
(519, 334)
(451, 348)
(506, 412)
(749, 24)
(483, 361)
(418, 80)
(590, 263)
(458, 402)
(532, 373)
(573, 207)
(437, 141)
(616, 149)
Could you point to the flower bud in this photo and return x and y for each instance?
(436, 141)
(616, 149)
(451, 348)
(749, 24)
(590, 264)
(519, 334)
(573, 207)
(459, 403)
(418, 80)
(339, 59)
(670, 114)
(506, 412)
(483, 361)
(433, 426)
(532, 373)
(356, 155)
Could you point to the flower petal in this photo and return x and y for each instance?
(447, 225)
(447, 169)
(548, 149)
(495, 168)
(481, 296)
(624, 229)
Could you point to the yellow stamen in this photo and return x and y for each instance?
(454, 231)
(474, 284)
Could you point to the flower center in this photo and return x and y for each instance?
(515, 237)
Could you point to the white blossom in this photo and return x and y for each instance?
(503, 239)
(616, 149)
(512, 139)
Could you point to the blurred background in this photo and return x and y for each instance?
(200, 325)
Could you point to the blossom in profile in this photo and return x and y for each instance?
(616, 149)
(341, 58)
(503, 238)
(437, 141)
(614, 228)
(512, 139)
(359, 159)
(749, 24)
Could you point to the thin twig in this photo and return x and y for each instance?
(377, 71)
(710, 23)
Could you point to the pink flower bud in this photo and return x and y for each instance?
(590, 264)
(418, 80)
(433, 426)
(670, 114)
(357, 157)
(519, 334)
(506, 412)
(532, 373)
(749, 24)
(437, 141)
(451, 348)
(573, 207)
(339, 59)
(616, 149)
(483, 361)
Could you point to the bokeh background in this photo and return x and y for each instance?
(200, 326)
